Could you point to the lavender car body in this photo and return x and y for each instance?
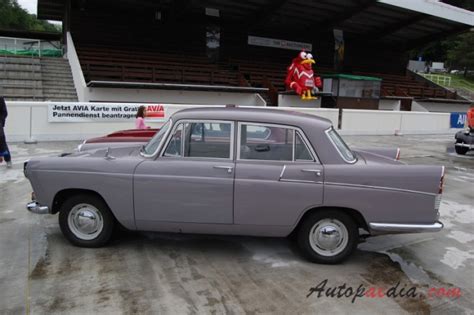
(241, 171)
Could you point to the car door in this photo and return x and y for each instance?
(277, 175)
(192, 180)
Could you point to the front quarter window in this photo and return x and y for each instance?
(151, 147)
(341, 146)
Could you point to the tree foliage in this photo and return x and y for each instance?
(461, 52)
(14, 17)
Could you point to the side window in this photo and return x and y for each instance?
(206, 139)
(260, 142)
(211, 140)
(174, 147)
(301, 150)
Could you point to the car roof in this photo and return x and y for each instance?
(264, 115)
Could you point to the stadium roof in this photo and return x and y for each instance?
(408, 22)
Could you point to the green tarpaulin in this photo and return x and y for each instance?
(33, 52)
(351, 77)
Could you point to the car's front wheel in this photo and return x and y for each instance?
(328, 236)
(86, 221)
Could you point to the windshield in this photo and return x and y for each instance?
(341, 146)
(151, 147)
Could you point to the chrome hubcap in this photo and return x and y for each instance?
(328, 237)
(85, 221)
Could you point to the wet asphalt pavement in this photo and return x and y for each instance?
(40, 272)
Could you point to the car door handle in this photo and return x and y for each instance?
(308, 170)
(228, 168)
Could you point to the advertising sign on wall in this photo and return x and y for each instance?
(458, 120)
(278, 43)
(92, 112)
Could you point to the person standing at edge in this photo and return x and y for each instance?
(140, 118)
(4, 151)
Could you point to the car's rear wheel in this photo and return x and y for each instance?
(328, 236)
(460, 150)
(86, 221)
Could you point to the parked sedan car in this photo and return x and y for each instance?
(240, 171)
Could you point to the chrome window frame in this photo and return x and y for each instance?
(337, 148)
(165, 136)
(304, 139)
(171, 137)
(203, 121)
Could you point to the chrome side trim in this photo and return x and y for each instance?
(405, 228)
(35, 207)
(300, 181)
(282, 172)
(381, 188)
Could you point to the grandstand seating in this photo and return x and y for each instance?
(111, 63)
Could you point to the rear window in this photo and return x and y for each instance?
(341, 146)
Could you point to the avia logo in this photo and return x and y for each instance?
(155, 111)
(303, 73)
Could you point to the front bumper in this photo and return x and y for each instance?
(465, 145)
(35, 207)
(389, 228)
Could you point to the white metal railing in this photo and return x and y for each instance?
(443, 80)
(27, 46)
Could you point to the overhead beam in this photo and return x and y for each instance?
(340, 18)
(420, 42)
(266, 13)
(395, 27)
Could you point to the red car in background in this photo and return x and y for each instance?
(127, 137)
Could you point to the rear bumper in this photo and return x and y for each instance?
(388, 228)
(35, 207)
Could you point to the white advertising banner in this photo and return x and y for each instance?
(278, 43)
(102, 112)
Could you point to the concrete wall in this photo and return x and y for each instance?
(389, 104)
(376, 122)
(29, 120)
(444, 107)
(295, 101)
(77, 75)
(172, 96)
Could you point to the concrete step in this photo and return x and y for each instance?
(14, 82)
(59, 91)
(23, 92)
(53, 60)
(59, 70)
(61, 85)
(19, 60)
(60, 99)
(16, 98)
(21, 75)
(19, 67)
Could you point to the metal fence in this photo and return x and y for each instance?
(30, 47)
(443, 80)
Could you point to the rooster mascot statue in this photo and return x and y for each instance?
(300, 77)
